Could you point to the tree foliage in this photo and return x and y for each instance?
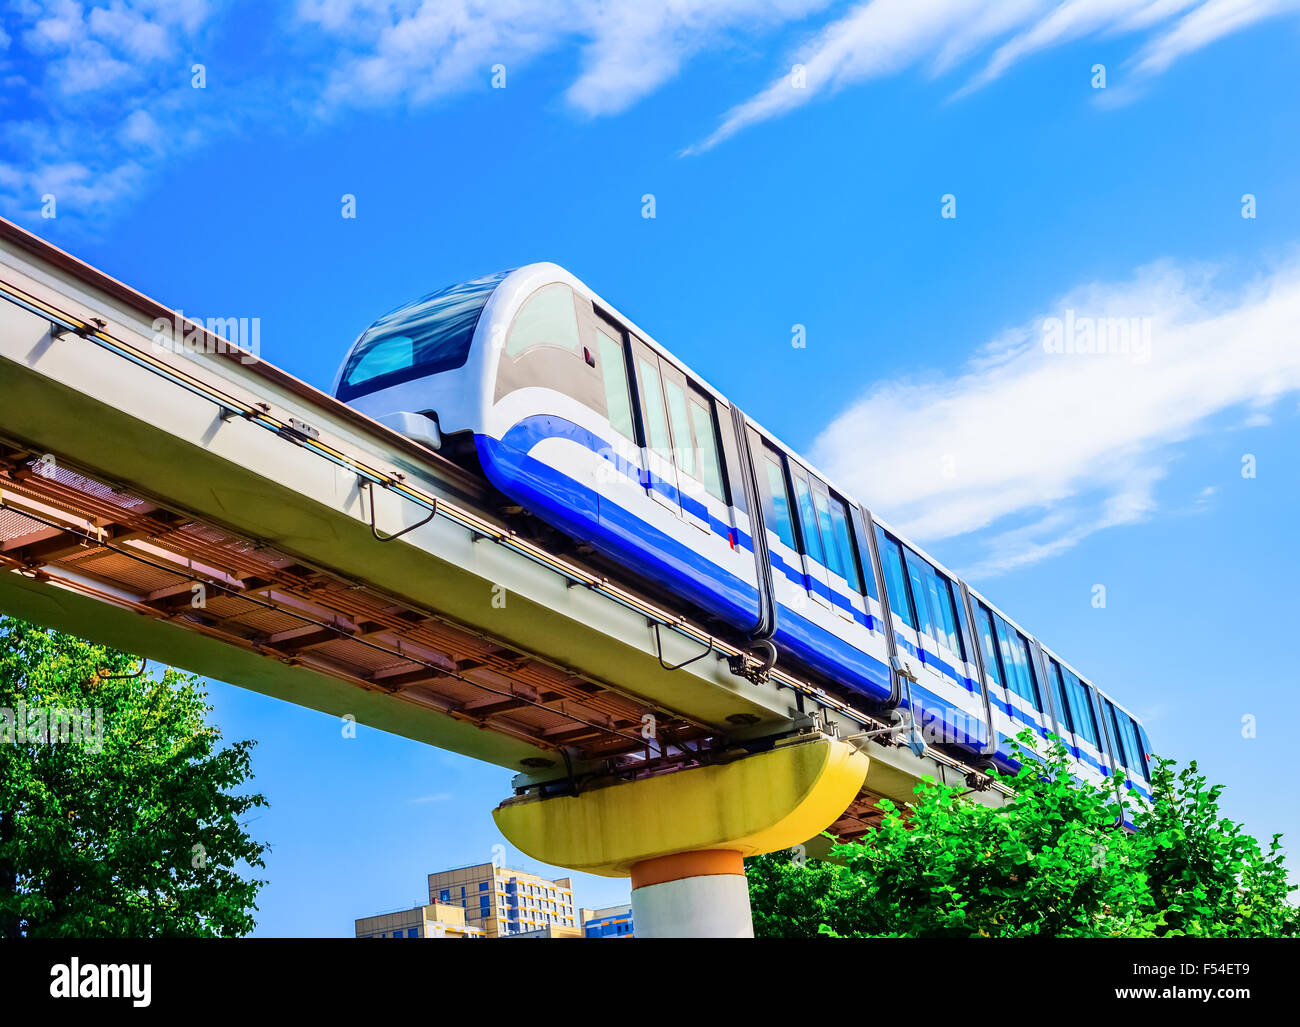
(140, 835)
(1057, 859)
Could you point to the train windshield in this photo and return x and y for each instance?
(432, 334)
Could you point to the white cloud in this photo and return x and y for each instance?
(140, 129)
(421, 50)
(139, 36)
(881, 37)
(107, 80)
(1069, 21)
(1205, 25)
(884, 37)
(435, 797)
(1040, 449)
(633, 49)
(107, 85)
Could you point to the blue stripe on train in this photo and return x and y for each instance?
(536, 428)
(621, 535)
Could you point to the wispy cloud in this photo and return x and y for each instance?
(879, 38)
(418, 52)
(1203, 26)
(97, 95)
(435, 797)
(94, 97)
(1036, 445)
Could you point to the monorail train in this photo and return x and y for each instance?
(581, 419)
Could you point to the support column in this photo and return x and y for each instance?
(692, 895)
(681, 837)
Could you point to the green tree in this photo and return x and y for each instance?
(791, 898)
(1208, 877)
(131, 828)
(1054, 860)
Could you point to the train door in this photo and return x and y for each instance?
(1147, 755)
(813, 558)
(660, 472)
(927, 631)
(900, 600)
(1060, 707)
(955, 663)
(843, 570)
(995, 677)
(944, 624)
(910, 614)
(1065, 723)
(695, 447)
(624, 460)
(1105, 748)
(1024, 697)
(1126, 743)
(1087, 737)
(778, 516)
(975, 663)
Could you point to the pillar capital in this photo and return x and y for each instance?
(760, 803)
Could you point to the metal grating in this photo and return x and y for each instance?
(82, 529)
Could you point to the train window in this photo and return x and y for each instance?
(1081, 710)
(1127, 738)
(1137, 754)
(1030, 675)
(834, 554)
(679, 419)
(1121, 749)
(948, 607)
(1003, 633)
(841, 556)
(547, 318)
(916, 577)
(992, 661)
(935, 590)
(891, 561)
(656, 422)
(384, 357)
(613, 372)
(1057, 684)
(1015, 660)
(1146, 749)
(431, 335)
(963, 623)
(706, 444)
(776, 497)
(679, 424)
(812, 539)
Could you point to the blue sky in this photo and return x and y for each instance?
(925, 387)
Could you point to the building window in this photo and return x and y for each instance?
(412, 932)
